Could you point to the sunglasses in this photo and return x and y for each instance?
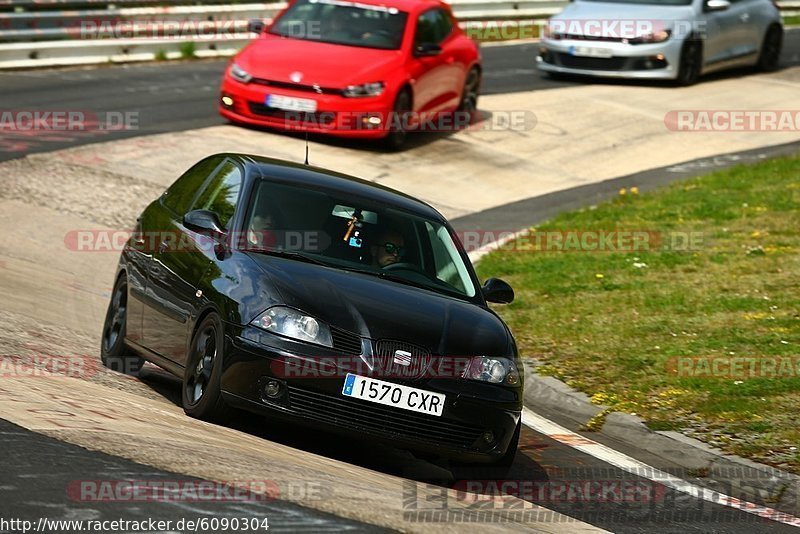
(391, 248)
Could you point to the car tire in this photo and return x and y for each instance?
(495, 471)
(113, 352)
(770, 55)
(469, 94)
(396, 137)
(691, 62)
(200, 392)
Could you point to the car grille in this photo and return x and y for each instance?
(316, 89)
(590, 63)
(419, 366)
(599, 38)
(345, 341)
(378, 419)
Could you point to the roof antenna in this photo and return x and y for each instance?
(306, 162)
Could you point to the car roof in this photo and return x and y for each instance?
(411, 6)
(339, 182)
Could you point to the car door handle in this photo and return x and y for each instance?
(744, 17)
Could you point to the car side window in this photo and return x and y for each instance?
(433, 26)
(445, 25)
(444, 266)
(180, 195)
(221, 193)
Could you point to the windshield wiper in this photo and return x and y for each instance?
(288, 254)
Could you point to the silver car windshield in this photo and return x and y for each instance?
(361, 235)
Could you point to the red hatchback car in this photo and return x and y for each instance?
(355, 69)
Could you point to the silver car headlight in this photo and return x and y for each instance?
(492, 370)
(365, 89)
(294, 324)
(656, 37)
(548, 32)
(239, 74)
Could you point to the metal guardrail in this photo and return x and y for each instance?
(42, 33)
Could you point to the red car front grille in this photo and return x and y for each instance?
(297, 86)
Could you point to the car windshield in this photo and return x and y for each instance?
(645, 2)
(340, 22)
(355, 234)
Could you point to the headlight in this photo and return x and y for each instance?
(365, 89)
(239, 74)
(549, 33)
(294, 324)
(656, 37)
(493, 370)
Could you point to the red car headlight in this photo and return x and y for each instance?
(365, 89)
(239, 74)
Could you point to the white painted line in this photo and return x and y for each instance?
(631, 465)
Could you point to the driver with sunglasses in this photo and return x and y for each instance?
(389, 248)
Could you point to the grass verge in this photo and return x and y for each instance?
(706, 340)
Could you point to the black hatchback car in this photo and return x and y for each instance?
(297, 292)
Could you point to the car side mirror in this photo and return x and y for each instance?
(717, 5)
(256, 26)
(497, 291)
(203, 221)
(427, 50)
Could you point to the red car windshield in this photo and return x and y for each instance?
(345, 23)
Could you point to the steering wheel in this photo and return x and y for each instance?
(403, 266)
(384, 35)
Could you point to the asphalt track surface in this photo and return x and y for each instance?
(178, 96)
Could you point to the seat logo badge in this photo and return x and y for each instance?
(296, 76)
(402, 357)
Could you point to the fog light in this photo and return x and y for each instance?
(487, 437)
(228, 101)
(272, 389)
(371, 122)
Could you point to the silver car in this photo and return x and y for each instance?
(661, 39)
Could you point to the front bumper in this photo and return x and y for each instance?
(472, 409)
(335, 115)
(657, 61)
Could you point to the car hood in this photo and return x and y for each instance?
(382, 309)
(324, 64)
(659, 15)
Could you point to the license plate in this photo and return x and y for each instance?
(288, 103)
(588, 51)
(389, 394)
